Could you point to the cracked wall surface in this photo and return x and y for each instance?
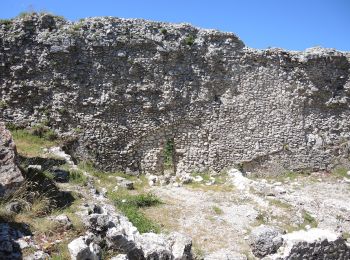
(123, 87)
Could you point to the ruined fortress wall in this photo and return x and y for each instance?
(125, 87)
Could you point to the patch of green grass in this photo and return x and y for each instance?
(44, 132)
(138, 201)
(108, 180)
(130, 205)
(340, 172)
(279, 204)
(29, 144)
(308, 220)
(205, 175)
(217, 210)
(77, 177)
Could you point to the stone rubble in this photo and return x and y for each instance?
(312, 244)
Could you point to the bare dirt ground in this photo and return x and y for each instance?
(221, 215)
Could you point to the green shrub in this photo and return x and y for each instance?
(163, 31)
(77, 26)
(25, 14)
(43, 131)
(12, 127)
(189, 40)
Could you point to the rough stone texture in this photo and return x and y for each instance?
(265, 240)
(181, 246)
(312, 244)
(126, 87)
(10, 175)
(38, 255)
(82, 248)
(120, 235)
(9, 248)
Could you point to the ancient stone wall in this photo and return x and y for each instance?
(126, 87)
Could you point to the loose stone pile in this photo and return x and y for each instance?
(312, 244)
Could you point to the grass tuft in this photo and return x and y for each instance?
(130, 205)
(31, 145)
(340, 172)
(217, 210)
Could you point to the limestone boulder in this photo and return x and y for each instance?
(265, 240)
(181, 246)
(10, 175)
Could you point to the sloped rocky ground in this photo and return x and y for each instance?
(222, 216)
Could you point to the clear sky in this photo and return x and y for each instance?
(289, 24)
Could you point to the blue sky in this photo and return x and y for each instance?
(289, 24)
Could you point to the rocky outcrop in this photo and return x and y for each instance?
(121, 236)
(128, 88)
(10, 175)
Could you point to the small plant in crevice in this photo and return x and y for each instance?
(189, 40)
(286, 147)
(163, 31)
(3, 103)
(308, 220)
(169, 154)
